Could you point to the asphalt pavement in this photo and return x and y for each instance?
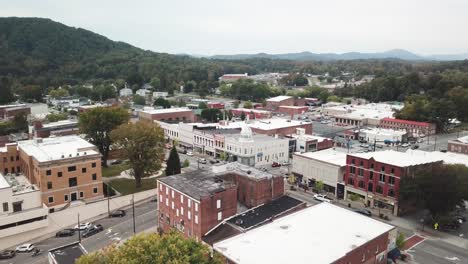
(115, 230)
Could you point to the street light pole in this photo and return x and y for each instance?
(133, 209)
(108, 200)
(79, 229)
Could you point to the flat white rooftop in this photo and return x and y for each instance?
(274, 123)
(383, 132)
(3, 182)
(252, 110)
(316, 235)
(60, 123)
(278, 98)
(56, 148)
(330, 155)
(400, 159)
(463, 139)
(310, 137)
(447, 158)
(165, 111)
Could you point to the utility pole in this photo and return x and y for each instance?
(435, 142)
(133, 209)
(108, 200)
(79, 229)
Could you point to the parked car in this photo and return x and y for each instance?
(364, 212)
(65, 233)
(202, 161)
(93, 230)
(115, 162)
(415, 147)
(275, 164)
(25, 248)
(83, 226)
(7, 254)
(263, 169)
(190, 153)
(443, 150)
(405, 145)
(322, 198)
(285, 163)
(118, 213)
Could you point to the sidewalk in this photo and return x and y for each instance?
(69, 217)
(399, 222)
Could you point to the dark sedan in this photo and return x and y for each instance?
(364, 212)
(7, 254)
(93, 230)
(65, 233)
(118, 213)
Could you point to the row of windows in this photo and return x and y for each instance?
(12, 158)
(71, 169)
(382, 168)
(50, 199)
(370, 187)
(13, 170)
(72, 182)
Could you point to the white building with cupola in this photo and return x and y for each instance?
(256, 150)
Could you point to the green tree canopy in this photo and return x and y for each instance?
(162, 103)
(142, 144)
(173, 163)
(212, 115)
(248, 105)
(97, 125)
(57, 93)
(54, 117)
(202, 105)
(154, 249)
(139, 100)
(6, 95)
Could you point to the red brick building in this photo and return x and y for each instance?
(59, 128)
(7, 112)
(375, 176)
(275, 102)
(215, 105)
(251, 113)
(167, 115)
(413, 127)
(316, 234)
(293, 110)
(459, 145)
(197, 201)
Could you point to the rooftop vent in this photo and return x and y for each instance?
(70, 155)
(63, 156)
(248, 172)
(77, 154)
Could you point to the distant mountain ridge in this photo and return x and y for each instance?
(399, 54)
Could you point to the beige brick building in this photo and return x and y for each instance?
(65, 169)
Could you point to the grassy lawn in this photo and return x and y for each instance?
(115, 170)
(127, 186)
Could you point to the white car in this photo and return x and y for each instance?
(322, 198)
(285, 163)
(190, 153)
(405, 145)
(25, 248)
(202, 161)
(83, 226)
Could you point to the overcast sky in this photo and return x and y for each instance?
(250, 26)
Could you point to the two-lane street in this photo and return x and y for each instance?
(115, 230)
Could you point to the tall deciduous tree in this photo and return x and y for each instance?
(142, 144)
(6, 96)
(154, 249)
(97, 124)
(162, 103)
(173, 162)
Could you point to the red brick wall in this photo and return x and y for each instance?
(251, 192)
(207, 212)
(457, 147)
(292, 111)
(174, 117)
(325, 144)
(274, 105)
(368, 252)
(9, 160)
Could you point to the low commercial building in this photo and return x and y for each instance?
(256, 150)
(22, 207)
(375, 177)
(414, 128)
(310, 143)
(459, 145)
(59, 128)
(8, 112)
(446, 157)
(312, 235)
(160, 95)
(275, 102)
(215, 105)
(383, 135)
(327, 166)
(210, 140)
(232, 77)
(65, 169)
(125, 92)
(197, 201)
(292, 110)
(251, 113)
(169, 115)
(361, 115)
(278, 126)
